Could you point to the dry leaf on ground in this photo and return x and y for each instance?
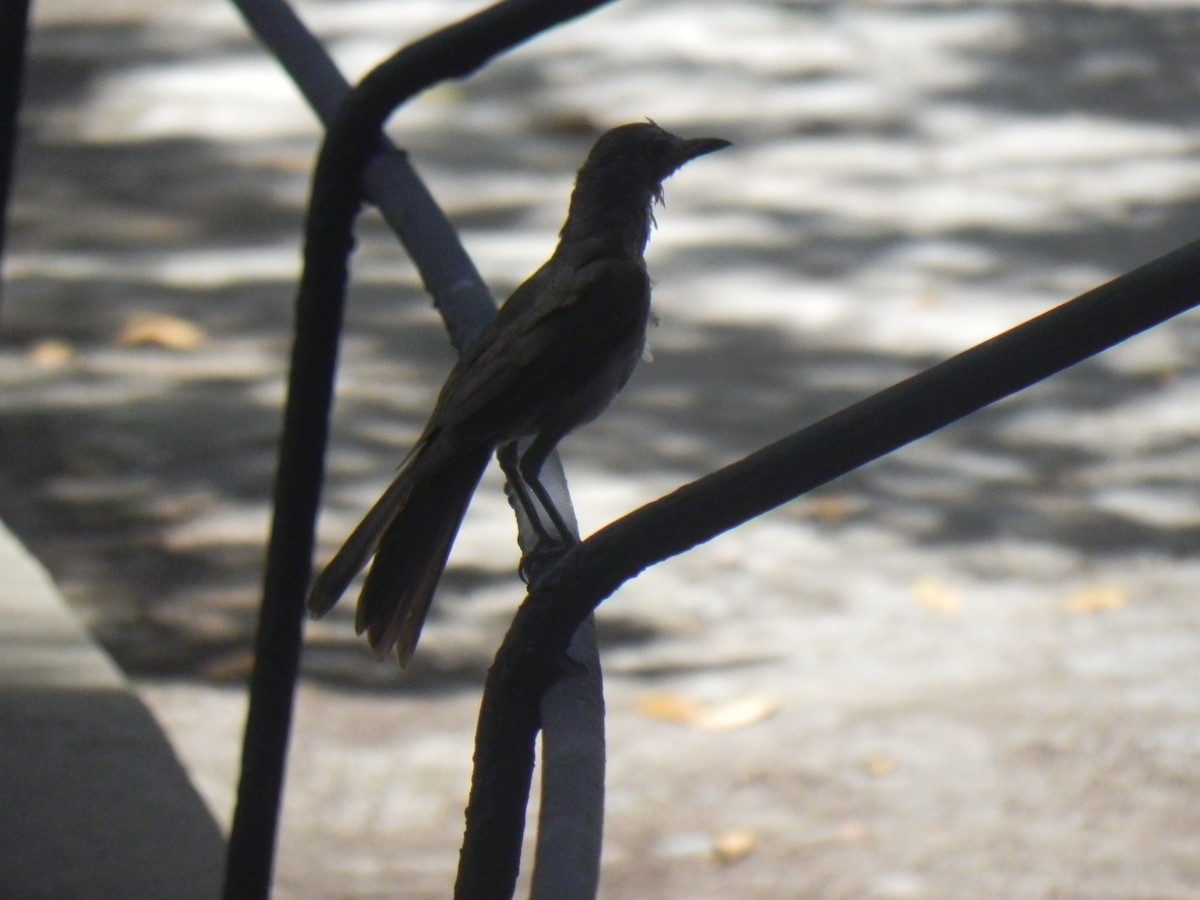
(934, 596)
(727, 716)
(50, 354)
(1097, 598)
(877, 765)
(159, 330)
(733, 845)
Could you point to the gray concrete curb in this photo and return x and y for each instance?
(95, 803)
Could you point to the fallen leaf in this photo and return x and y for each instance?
(50, 354)
(1098, 598)
(728, 716)
(831, 509)
(930, 594)
(877, 765)
(669, 708)
(160, 330)
(733, 845)
(737, 713)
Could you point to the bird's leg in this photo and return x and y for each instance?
(530, 467)
(509, 461)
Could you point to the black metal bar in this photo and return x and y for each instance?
(918, 406)
(390, 182)
(697, 512)
(14, 24)
(570, 829)
(454, 51)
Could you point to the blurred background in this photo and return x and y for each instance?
(968, 670)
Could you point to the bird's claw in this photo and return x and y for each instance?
(545, 552)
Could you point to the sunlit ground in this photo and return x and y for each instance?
(980, 654)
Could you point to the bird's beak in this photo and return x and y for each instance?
(693, 147)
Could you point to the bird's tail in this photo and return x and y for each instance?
(412, 554)
(333, 580)
(410, 531)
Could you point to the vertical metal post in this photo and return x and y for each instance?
(14, 22)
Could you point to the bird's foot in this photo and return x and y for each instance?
(545, 553)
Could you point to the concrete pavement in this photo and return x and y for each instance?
(95, 803)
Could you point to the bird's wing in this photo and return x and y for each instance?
(559, 329)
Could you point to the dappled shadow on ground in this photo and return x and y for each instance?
(981, 647)
(1084, 59)
(141, 476)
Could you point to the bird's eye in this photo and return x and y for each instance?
(660, 149)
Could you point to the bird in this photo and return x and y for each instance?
(552, 358)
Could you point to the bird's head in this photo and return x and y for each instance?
(640, 156)
(622, 177)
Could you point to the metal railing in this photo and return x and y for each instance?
(357, 163)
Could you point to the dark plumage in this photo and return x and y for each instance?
(556, 354)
